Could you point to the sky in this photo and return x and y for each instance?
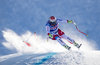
(32, 15)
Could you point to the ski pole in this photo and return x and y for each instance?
(78, 29)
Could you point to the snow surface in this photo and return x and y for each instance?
(65, 58)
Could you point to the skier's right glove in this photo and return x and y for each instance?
(50, 35)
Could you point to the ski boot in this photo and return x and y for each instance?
(77, 45)
(67, 47)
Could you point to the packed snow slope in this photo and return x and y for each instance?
(64, 58)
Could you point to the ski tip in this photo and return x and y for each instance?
(28, 44)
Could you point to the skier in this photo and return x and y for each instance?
(55, 33)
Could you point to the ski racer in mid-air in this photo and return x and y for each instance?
(55, 33)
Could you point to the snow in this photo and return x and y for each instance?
(92, 57)
(6, 57)
(46, 52)
(64, 58)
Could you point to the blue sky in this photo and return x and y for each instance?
(23, 15)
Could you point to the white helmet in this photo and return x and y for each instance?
(52, 19)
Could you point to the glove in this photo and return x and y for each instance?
(69, 21)
(51, 36)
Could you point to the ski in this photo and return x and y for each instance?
(28, 44)
(67, 47)
(79, 46)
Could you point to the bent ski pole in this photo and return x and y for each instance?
(78, 29)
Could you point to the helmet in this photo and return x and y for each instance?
(52, 20)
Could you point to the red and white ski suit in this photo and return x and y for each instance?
(56, 32)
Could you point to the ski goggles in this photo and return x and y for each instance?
(52, 23)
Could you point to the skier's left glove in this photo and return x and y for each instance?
(50, 35)
(69, 21)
